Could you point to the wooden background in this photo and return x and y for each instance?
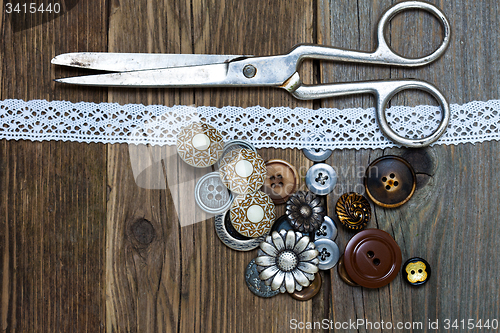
(84, 249)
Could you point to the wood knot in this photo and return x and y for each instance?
(143, 232)
(424, 163)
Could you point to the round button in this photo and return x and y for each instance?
(416, 271)
(242, 171)
(309, 292)
(255, 284)
(253, 214)
(321, 178)
(353, 211)
(328, 229)
(390, 181)
(329, 253)
(211, 195)
(372, 258)
(199, 145)
(283, 223)
(316, 154)
(305, 211)
(343, 274)
(236, 144)
(231, 238)
(282, 180)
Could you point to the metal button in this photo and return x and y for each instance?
(211, 195)
(305, 211)
(231, 238)
(242, 171)
(416, 271)
(390, 181)
(199, 145)
(309, 292)
(255, 284)
(328, 229)
(236, 144)
(329, 253)
(283, 223)
(316, 154)
(372, 258)
(343, 274)
(282, 180)
(321, 178)
(253, 214)
(353, 211)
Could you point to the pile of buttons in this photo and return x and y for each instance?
(294, 247)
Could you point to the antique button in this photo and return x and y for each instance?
(282, 180)
(211, 195)
(372, 258)
(253, 214)
(199, 145)
(343, 274)
(283, 222)
(309, 292)
(321, 178)
(287, 261)
(236, 144)
(317, 155)
(255, 284)
(353, 211)
(329, 253)
(231, 238)
(390, 181)
(242, 171)
(328, 229)
(305, 211)
(416, 271)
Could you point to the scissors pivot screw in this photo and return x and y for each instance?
(249, 71)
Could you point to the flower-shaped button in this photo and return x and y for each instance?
(287, 261)
(253, 214)
(416, 271)
(199, 145)
(305, 211)
(242, 171)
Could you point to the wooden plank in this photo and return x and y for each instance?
(53, 193)
(449, 221)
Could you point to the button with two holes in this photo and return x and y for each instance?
(416, 271)
(211, 195)
(390, 181)
(329, 253)
(321, 178)
(282, 180)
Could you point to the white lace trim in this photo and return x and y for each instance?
(281, 127)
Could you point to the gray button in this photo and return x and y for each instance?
(236, 144)
(321, 178)
(255, 284)
(328, 229)
(231, 238)
(211, 195)
(316, 154)
(329, 253)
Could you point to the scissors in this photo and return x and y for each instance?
(196, 70)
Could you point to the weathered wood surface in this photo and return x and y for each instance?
(84, 248)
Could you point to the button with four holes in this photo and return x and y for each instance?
(329, 253)
(321, 178)
(317, 154)
(211, 195)
(327, 229)
(282, 180)
(390, 181)
(372, 258)
(416, 271)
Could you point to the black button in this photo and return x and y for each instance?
(416, 271)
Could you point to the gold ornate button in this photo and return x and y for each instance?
(242, 171)
(253, 214)
(199, 145)
(353, 211)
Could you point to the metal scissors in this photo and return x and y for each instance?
(195, 70)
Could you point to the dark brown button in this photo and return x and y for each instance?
(343, 274)
(416, 271)
(282, 180)
(390, 181)
(309, 292)
(372, 258)
(353, 211)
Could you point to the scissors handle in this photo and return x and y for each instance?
(384, 91)
(383, 55)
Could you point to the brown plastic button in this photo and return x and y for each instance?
(310, 291)
(343, 274)
(282, 180)
(372, 258)
(390, 181)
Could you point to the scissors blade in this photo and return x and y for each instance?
(177, 77)
(124, 62)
